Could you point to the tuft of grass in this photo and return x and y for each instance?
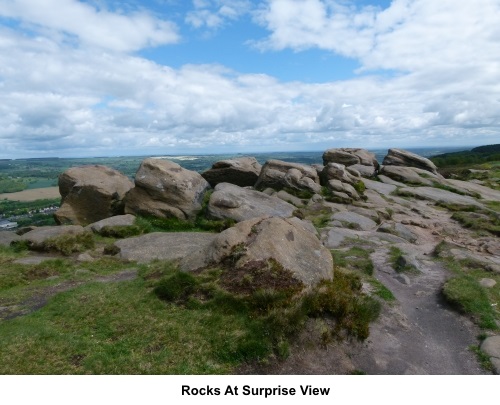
(121, 232)
(398, 261)
(68, 244)
(359, 186)
(302, 194)
(483, 359)
(380, 290)
(356, 258)
(466, 294)
(487, 221)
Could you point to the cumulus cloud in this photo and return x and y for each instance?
(92, 26)
(59, 99)
(214, 14)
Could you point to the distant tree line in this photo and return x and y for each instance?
(481, 154)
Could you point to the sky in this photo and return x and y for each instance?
(115, 78)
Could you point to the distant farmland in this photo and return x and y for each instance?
(32, 195)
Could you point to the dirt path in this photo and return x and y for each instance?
(419, 334)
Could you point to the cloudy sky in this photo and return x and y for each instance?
(107, 78)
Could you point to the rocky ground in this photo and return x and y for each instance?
(400, 213)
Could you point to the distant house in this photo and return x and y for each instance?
(7, 224)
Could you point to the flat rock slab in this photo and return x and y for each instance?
(355, 220)
(437, 194)
(334, 237)
(485, 192)
(118, 220)
(33, 260)
(37, 237)
(6, 237)
(162, 246)
(381, 188)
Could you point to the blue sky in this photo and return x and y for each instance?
(105, 77)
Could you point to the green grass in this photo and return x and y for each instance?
(398, 261)
(166, 322)
(483, 359)
(356, 258)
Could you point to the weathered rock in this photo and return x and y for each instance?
(405, 174)
(362, 170)
(486, 193)
(336, 171)
(334, 237)
(286, 241)
(162, 246)
(400, 157)
(337, 185)
(6, 237)
(350, 157)
(165, 189)
(387, 180)
(354, 220)
(279, 175)
(91, 193)
(491, 346)
(119, 220)
(381, 188)
(242, 171)
(240, 204)
(283, 195)
(437, 194)
(38, 238)
(398, 230)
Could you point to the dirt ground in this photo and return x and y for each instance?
(32, 195)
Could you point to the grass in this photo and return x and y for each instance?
(356, 258)
(399, 262)
(476, 218)
(164, 321)
(483, 359)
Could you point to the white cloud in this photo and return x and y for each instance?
(91, 26)
(61, 100)
(214, 14)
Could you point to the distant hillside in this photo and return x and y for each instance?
(481, 154)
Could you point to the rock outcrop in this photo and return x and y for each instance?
(361, 160)
(165, 189)
(279, 175)
(40, 238)
(240, 204)
(116, 221)
(400, 157)
(265, 241)
(242, 172)
(91, 193)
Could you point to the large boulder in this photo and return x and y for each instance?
(91, 193)
(337, 171)
(407, 175)
(279, 175)
(165, 189)
(264, 241)
(41, 238)
(400, 157)
(242, 171)
(240, 204)
(359, 159)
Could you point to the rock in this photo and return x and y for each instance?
(487, 282)
(350, 157)
(354, 220)
(286, 241)
(283, 195)
(381, 188)
(38, 238)
(334, 237)
(242, 172)
(240, 204)
(32, 260)
(400, 157)
(85, 258)
(486, 193)
(6, 237)
(491, 346)
(404, 232)
(405, 174)
(162, 246)
(279, 175)
(119, 220)
(165, 189)
(25, 229)
(337, 185)
(362, 170)
(387, 180)
(437, 194)
(336, 171)
(403, 279)
(91, 193)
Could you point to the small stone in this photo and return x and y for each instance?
(487, 282)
